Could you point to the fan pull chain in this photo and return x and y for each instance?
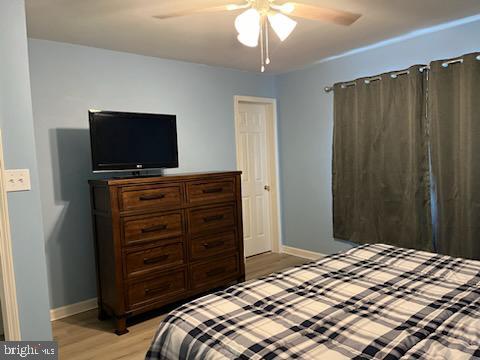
(267, 60)
(262, 68)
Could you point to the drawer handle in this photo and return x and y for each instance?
(151, 197)
(154, 260)
(215, 272)
(213, 244)
(154, 228)
(213, 218)
(158, 289)
(212, 191)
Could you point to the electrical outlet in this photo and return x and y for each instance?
(17, 180)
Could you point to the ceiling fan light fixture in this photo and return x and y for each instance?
(282, 25)
(248, 27)
(248, 20)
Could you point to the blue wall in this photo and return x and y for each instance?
(306, 125)
(25, 213)
(67, 80)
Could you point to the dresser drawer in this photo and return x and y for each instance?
(155, 258)
(134, 198)
(159, 288)
(203, 220)
(214, 271)
(155, 227)
(206, 246)
(210, 191)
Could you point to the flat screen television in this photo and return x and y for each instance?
(123, 141)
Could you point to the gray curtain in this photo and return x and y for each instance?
(344, 160)
(454, 93)
(380, 161)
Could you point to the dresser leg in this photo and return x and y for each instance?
(121, 326)
(241, 279)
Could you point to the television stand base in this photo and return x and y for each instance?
(140, 174)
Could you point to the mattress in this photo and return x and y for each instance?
(371, 302)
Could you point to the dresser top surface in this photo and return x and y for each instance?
(138, 180)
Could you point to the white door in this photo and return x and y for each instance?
(252, 161)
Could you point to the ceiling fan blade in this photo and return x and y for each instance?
(319, 13)
(212, 9)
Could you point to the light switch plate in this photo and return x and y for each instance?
(17, 180)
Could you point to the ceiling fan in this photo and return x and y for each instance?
(252, 24)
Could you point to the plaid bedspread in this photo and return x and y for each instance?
(372, 302)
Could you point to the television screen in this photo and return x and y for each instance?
(132, 141)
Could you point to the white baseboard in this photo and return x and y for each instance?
(307, 254)
(73, 309)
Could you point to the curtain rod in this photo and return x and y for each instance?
(395, 75)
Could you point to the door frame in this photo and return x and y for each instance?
(8, 289)
(272, 160)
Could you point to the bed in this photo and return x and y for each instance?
(371, 302)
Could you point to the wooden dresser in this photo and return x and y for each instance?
(163, 239)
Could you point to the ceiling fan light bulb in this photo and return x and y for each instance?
(247, 21)
(267, 61)
(282, 25)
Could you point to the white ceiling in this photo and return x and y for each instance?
(128, 25)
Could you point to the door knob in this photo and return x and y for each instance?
(267, 187)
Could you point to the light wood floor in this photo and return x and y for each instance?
(84, 337)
